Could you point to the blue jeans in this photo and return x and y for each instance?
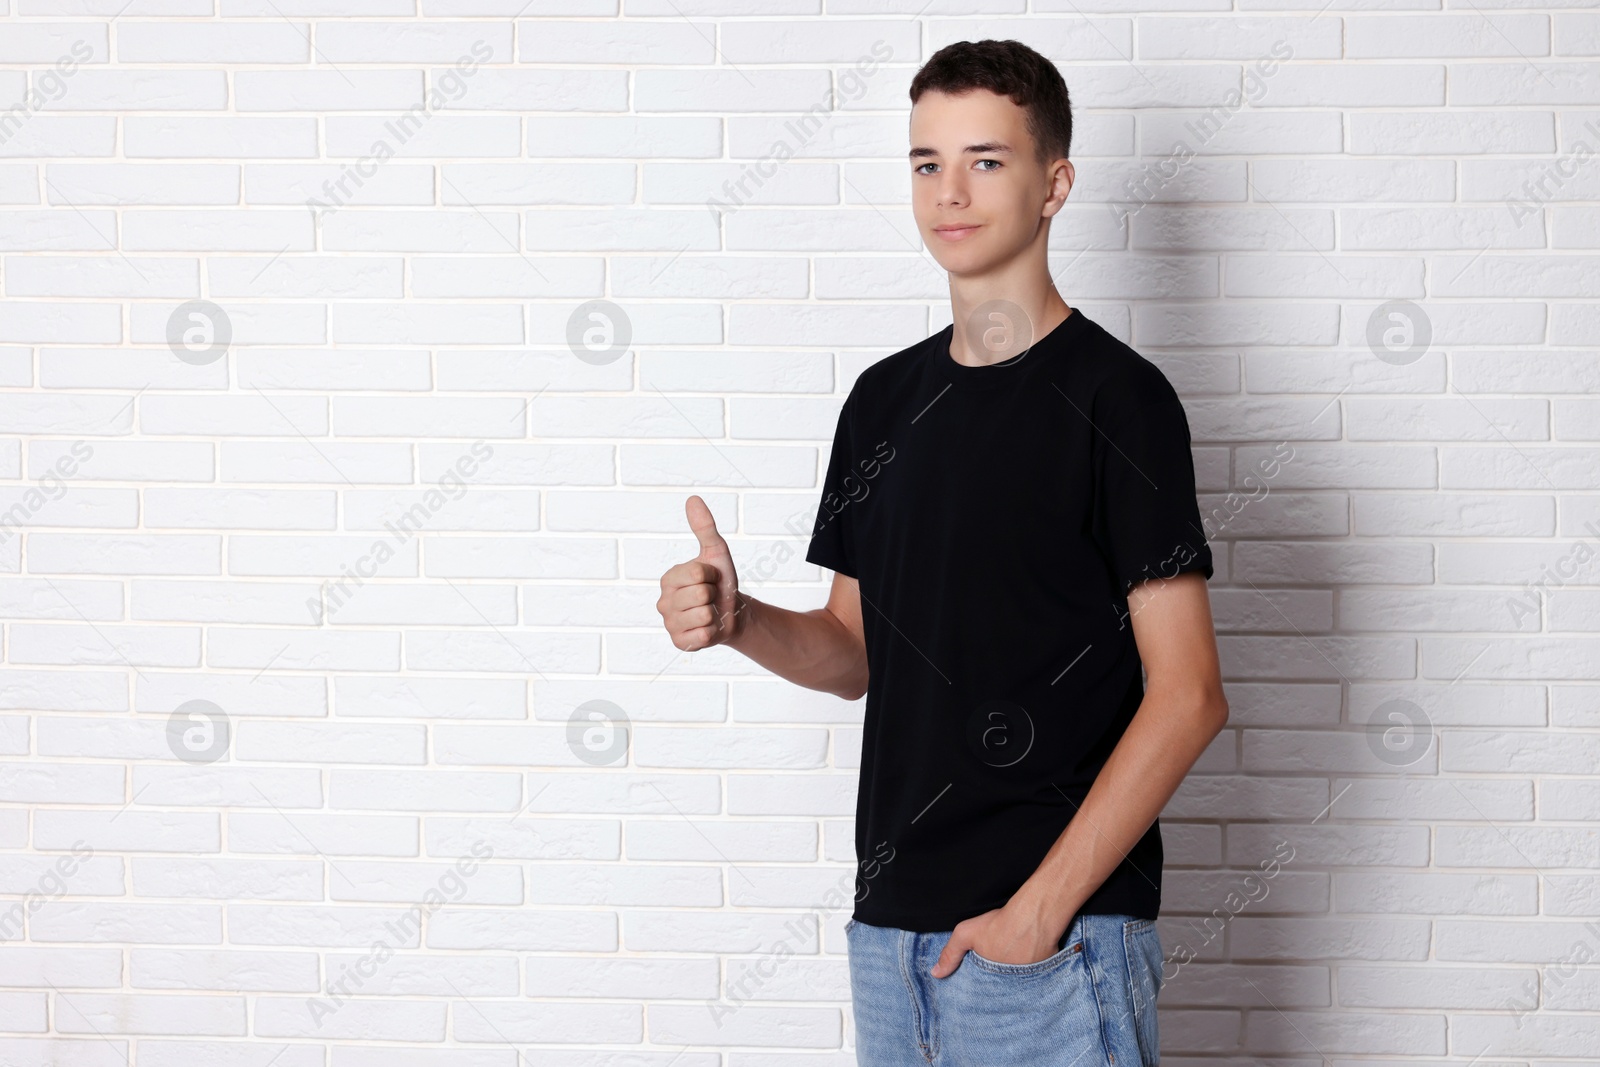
(1092, 1004)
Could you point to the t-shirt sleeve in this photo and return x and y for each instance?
(1147, 516)
(832, 538)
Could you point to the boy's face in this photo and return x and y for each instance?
(973, 166)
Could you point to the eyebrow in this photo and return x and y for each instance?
(988, 148)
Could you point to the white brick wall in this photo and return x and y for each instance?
(398, 533)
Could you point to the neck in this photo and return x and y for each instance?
(998, 328)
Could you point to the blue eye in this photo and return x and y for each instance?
(922, 169)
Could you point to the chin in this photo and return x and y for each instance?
(965, 261)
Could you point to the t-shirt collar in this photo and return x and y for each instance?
(1008, 371)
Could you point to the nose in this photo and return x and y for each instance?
(951, 195)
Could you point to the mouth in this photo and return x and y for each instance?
(955, 233)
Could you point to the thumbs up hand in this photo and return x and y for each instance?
(700, 599)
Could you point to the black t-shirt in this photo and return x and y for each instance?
(995, 518)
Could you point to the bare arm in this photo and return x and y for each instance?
(701, 605)
(1183, 710)
(820, 649)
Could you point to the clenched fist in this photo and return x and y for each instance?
(700, 599)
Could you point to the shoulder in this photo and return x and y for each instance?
(893, 374)
(1121, 379)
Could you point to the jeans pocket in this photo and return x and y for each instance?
(1143, 946)
(1043, 966)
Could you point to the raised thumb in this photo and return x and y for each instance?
(704, 525)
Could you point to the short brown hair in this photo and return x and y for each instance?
(1011, 69)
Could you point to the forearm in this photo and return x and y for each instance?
(809, 648)
(1160, 745)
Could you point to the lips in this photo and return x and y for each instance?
(955, 233)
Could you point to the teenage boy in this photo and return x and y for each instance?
(1009, 512)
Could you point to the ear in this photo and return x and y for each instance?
(1062, 174)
